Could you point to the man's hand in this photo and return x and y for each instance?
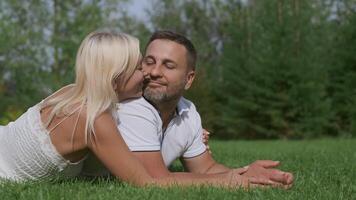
(265, 169)
(237, 179)
(206, 139)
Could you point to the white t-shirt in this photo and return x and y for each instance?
(141, 127)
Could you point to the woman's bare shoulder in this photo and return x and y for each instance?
(60, 92)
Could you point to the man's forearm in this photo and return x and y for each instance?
(203, 164)
(187, 178)
(230, 179)
(216, 168)
(189, 175)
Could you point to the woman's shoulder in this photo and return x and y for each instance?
(59, 92)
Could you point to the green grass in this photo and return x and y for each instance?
(323, 169)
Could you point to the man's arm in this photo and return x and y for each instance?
(203, 164)
(153, 162)
(139, 125)
(264, 169)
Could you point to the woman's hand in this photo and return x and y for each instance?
(206, 139)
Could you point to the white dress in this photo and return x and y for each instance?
(27, 153)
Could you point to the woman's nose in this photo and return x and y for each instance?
(144, 73)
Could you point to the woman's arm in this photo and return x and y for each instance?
(112, 151)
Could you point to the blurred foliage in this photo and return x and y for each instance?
(266, 69)
(281, 91)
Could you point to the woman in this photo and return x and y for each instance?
(53, 137)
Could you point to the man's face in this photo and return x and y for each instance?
(167, 72)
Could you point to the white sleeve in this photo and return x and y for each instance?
(138, 126)
(197, 146)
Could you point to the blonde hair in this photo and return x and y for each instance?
(103, 58)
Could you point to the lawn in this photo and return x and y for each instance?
(323, 169)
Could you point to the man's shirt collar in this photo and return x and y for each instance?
(182, 107)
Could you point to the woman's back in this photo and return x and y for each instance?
(29, 151)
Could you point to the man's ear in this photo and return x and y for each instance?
(190, 79)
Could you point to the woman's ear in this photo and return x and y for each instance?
(114, 84)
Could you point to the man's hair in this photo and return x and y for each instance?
(180, 39)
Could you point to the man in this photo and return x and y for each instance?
(163, 126)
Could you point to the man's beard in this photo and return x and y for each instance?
(158, 97)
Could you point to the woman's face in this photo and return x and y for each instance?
(133, 87)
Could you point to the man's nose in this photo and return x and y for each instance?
(156, 71)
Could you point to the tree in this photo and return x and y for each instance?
(201, 21)
(342, 69)
(21, 61)
(274, 84)
(39, 42)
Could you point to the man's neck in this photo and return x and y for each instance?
(166, 110)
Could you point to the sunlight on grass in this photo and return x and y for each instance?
(324, 169)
